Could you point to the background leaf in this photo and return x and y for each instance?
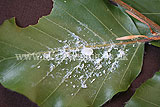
(152, 13)
(143, 7)
(64, 79)
(148, 94)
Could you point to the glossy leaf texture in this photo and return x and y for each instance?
(148, 94)
(149, 8)
(49, 63)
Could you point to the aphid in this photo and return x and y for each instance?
(155, 37)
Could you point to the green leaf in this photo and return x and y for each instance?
(156, 43)
(148, 94)
(152, 13)
(66, 79)
(143, 7)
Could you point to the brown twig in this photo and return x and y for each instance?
(134, 11)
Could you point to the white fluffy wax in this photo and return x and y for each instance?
(87, 51)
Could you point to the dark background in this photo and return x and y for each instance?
(28, 12)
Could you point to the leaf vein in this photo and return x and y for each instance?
(148, 101)
(129, 64)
